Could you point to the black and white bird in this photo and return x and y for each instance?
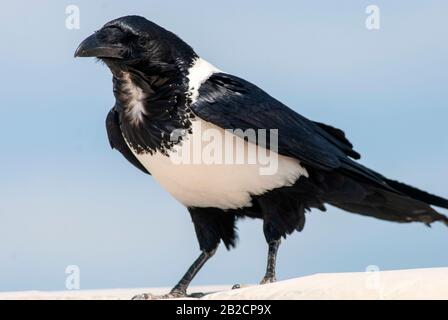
(164, 89)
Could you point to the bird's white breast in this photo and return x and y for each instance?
(221, 185)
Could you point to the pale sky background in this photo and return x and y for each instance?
(67, 199)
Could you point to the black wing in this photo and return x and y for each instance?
(233, 103)
(116, 139)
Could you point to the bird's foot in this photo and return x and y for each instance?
(265, 280)
(268, 279)
(175, 294)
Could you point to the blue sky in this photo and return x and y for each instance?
(67, 199)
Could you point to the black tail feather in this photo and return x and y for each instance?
(394, 202)
(386, 205)
(418, 194)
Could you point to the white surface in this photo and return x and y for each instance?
(401, 284)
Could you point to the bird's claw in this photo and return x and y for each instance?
(150, 296)
(268, 279)
(171, 295)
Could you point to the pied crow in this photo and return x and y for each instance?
(167, 99)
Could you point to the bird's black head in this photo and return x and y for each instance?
(136, 43)
(150, 66)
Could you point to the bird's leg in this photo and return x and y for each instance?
(180, 289)
(269, 277)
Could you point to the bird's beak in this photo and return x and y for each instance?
(94, 47)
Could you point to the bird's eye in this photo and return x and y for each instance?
(111, 34)
(142, 41)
